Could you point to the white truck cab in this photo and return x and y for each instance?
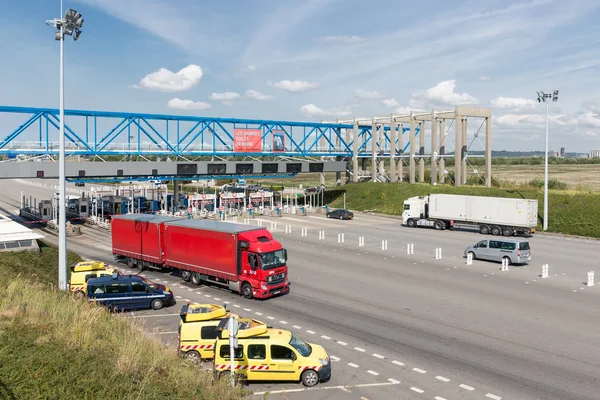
(414, 210)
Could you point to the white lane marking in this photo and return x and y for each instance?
(353, 365)
(309, 331)
(334, 358)
(247, 310)
(419, 370)
(466, 387)
(208, 295)
(360, 349)
(325, 388)
(398, 363)
(439, 398)
(269, 317)
(190, 301)
(416, 389)
(342, 343)
(258, 313)
(191, 290)
(493, 396)
(236, 305)
(226, 302)
(178, 297)
(296, 327)
(392, 380)
(372, 372)
(217, 299)
(442, 378)
(281, 322)
(153, 316)
(325, 337)
(378, 356)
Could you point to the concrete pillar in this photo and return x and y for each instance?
(175, 202)
(400, 152)
(458, 151)
(411, 161)
(381, 137)
(373, 150)
(355, 153)
(464, 151)
(393, 149)
(434, 148)
(442, 163)
(422, 152)
(488, 151)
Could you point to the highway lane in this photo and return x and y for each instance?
(476, 326)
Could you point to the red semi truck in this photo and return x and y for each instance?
(243, 258)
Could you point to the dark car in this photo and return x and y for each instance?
(340, 213)
(129, 292)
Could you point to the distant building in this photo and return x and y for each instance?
(594, 153)
(562, 152)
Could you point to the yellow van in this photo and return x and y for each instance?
(83, 271)
(198, 329)
(267, 354)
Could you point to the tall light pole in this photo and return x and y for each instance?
(69, 25)
(543, 97)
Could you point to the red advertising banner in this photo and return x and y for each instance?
(247, 140)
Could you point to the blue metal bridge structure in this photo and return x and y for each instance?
(34, 131)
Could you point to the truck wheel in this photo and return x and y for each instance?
(411, 223)
(186, 275)
(439, 225)
(196, 281)
(156, 304)
(484, 229)
(310, 378)
(247, 290)
(141, 266)
(79, 294)
(507, 231)
(130, 262)
(193, 356)
(496, 230)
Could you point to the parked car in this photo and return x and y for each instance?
(340, 213)
(128, 292)
(516, 251)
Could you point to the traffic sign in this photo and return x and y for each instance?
(203, 196)
(280, 205)
(250, 206)
(221, 208)
(189, 209)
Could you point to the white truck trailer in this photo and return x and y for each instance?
(495, 215)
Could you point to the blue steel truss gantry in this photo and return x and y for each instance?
(98, 133)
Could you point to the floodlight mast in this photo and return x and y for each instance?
(543, 97)
(69, 25)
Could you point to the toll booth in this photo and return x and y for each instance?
(261, 200)
(232, 201)
(202, 202)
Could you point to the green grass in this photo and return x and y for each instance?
(571, 213)
(55, 346)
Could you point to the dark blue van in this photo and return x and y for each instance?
(128, 292)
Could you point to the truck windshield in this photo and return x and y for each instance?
(273, 259)
(303, 348)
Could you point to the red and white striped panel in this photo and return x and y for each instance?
(316, 368)
(196, 347)
(242, 367)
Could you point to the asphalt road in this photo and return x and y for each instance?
(404, 326)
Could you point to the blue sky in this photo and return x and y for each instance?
(319, 60)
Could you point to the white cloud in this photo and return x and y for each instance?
(226, 96)
(250, 68)
(180, 104)
(513, 103)
(404, 110)
(442, 94)
(312, 110)
(254, 94)
(367, 95)
(295, 86)
(165, 80)
(591, 106)
(484, 78)
(341, 39)
(389, 103)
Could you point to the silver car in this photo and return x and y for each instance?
(517, 251)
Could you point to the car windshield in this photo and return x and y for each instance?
(303, 348)
(272, 260)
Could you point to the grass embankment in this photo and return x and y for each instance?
(54, 346)
(572, 213)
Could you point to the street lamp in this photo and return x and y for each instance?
(69, 25)
(543, 97)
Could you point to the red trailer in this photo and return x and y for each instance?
(243, 258)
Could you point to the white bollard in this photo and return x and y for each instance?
(340, 238)
(304, 232)
(410, 248)
(504, 264)
(544, 271)
(469, 258)
(384, 245)
(288, 229)
(361, 241)
(321, 235)
(259, 222)
(438, 253)
(590, 278)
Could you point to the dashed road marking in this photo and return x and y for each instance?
(191, 290)
(177, 297)
(237, 306)
(190, 300)
(395, 382)
(398, 363)
(269, 317)
(226, 302)
(217, 299)
(296, 327)
(208, 295)
(466, 387)
(360, 349)
(311, 332)
(416, 389)
(334, 358)
(258, 313)
(352, 365)
(439, 398)
(247, 310)
(372, 372)
(442, 378)
(325, 337)
(378, 356)
(419, 370)
(281, 322)
(342, 343)
(493, 396)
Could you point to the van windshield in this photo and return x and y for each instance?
(272, 260)
(147, 282)
(303, 348)
(524, 246)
